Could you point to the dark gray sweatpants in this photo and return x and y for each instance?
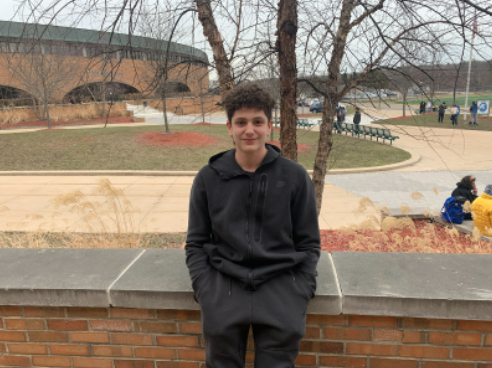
(276, 312)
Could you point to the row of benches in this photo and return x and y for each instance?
(301, 123)
(384, 134)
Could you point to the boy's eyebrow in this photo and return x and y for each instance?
(255, 117)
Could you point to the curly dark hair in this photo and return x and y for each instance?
(251, 96)
(467, 181)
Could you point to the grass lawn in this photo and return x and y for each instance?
(460, 99)
(430, 121)
(117, 148)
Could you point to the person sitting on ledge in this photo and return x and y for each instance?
(466, 188)
(482, 209)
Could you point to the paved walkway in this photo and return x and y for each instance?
(161, 203)
(394, 189)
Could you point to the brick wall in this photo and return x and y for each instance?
(131, 338)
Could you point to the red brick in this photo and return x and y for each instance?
(3, 348)
(393, 363)
(488, 340)
(28, 349)
(185, 341)
(190, 328)
(448, 338)
(15, 360)
(107, 325)
(51, 361)
(186, 354)
(161, 327)
(47, 336)
(131, 313)
(372, 321)
(423, 323)
(387, 335)
(321, 346)
(322, 319)
(131, 339)
(170, 314)
(133, 364)
(312, 332)
(67, 325)
(413, 336)
(12, 336)
(44, 312)
(474, 325)
(484, 366)
(24, 324)
(371, 349)
(120, 351)
(94, 337)
(173, 364)
(447, 365)
(349, 362)
(69, 349)
(10, 311)
(92, 363)
(348, 333)
(423, 351)
(472, 354)
(155, 353)
(87, 312)
(306, 360)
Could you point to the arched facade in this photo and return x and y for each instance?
(70, 58)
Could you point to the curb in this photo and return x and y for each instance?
(411, 161)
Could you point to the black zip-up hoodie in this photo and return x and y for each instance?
(253, 226)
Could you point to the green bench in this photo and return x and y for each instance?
(304, 123)
(384, 134)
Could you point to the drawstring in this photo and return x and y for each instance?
(230, 286)
(292, 274)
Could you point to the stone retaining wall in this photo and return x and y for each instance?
(132, 308)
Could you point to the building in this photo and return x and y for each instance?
(71, 62)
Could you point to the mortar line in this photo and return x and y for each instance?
(121, 275)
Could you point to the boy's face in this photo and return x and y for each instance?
(249, 129)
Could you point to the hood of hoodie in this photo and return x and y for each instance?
(226, 166)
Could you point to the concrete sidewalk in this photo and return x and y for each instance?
(161, 201)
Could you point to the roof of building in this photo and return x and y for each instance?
(67, 34)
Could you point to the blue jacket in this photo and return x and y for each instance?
(474, 108)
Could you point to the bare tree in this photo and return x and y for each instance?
(40, 74)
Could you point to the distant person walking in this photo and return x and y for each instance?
(441, 110)
(473, 113)
(422, 107)
(454, 115)
(356, 120)
(429, 106)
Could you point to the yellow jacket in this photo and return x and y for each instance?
(482, 208)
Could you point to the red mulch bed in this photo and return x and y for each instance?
(185, 139)
(43, 123)
(375, 241)
(300, 147)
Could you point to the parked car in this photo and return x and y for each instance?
(316, 107)
(391, 94)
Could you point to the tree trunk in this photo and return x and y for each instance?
(210, 30)
(332, 98)
(286, 47)
(404, 104)
(163, 99)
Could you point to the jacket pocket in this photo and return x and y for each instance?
(198, 283)
(310, 282)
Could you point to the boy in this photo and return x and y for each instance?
(253, 242)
